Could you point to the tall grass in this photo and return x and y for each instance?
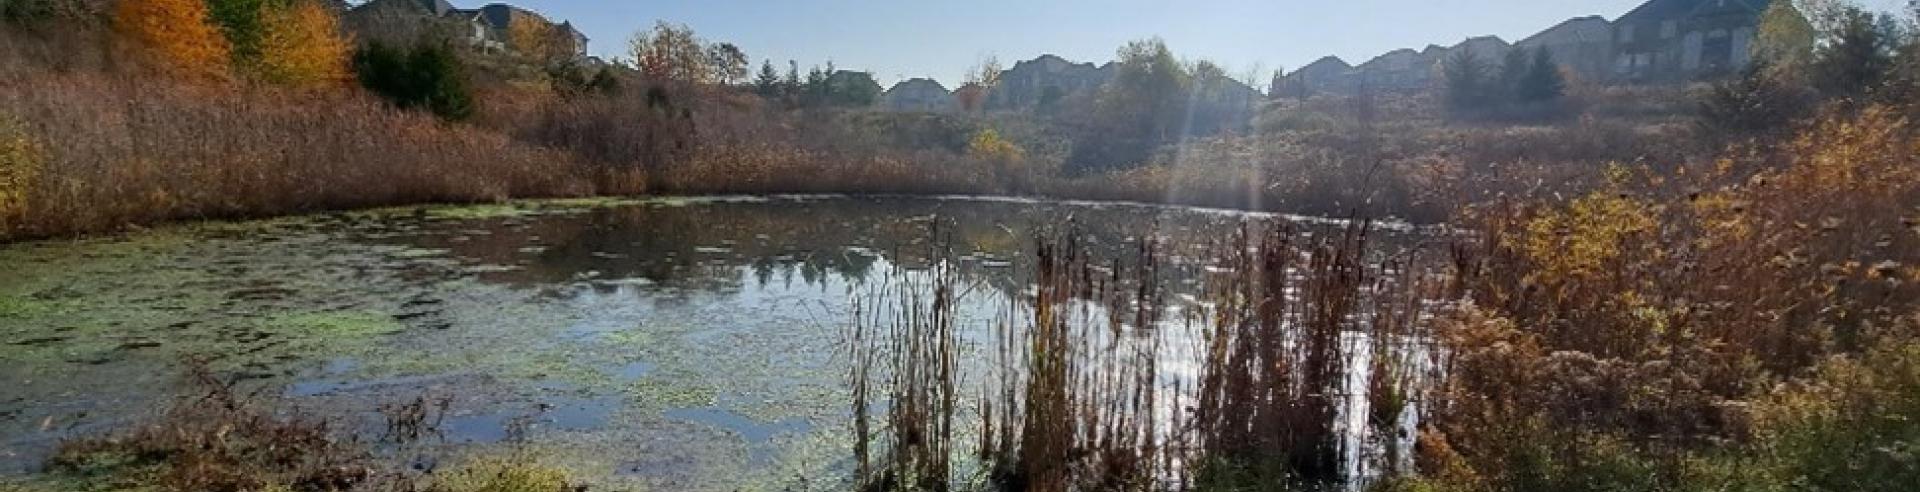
(1639, 334)
(1089, 386)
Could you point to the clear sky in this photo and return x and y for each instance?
(897, 39)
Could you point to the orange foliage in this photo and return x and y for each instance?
(179, 32)
(303, 46)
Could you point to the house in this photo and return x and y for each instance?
(1045, 80)
(1659, 41)
(1328, 74)
(919, 94)
(1583, 46)
(1400, 69)
(488, 28)
(1674, 40)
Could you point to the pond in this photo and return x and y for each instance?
(674, 343)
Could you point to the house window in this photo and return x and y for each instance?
(1668, 29)
(1626, 33)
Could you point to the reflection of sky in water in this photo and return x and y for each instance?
(645, 320)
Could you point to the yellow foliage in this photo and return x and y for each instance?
(1582, 238)
(501, 475)
(179, 32)
(535, 39)
(20, 161)
(303, 46)
(988, 145)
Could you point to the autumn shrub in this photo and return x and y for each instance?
(123, 151)
(21, 159)
(1849, 428)
(1004, 159)
(1636, 336)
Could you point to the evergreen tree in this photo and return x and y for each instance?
(1856, 58)
(1542, 81)
(244, 24)
(1466, 82)
(767, 84)
(1513, 72)
(429, 77)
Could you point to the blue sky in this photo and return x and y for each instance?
(897, 39)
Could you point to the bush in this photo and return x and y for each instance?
(429, 76)
(20, 161)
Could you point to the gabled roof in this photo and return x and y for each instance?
(1592, 28)
(437, 7)
(500, 15)
(1326, 62)
(919, 83)
(1660, 9)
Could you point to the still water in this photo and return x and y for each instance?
(671, 343)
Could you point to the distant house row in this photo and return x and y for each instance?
(1031, 84)
(491, 28)
(1659, 41)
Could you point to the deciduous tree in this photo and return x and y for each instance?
(303, 46)
(670, 52)
(726, 63)
(537, 41)
(180, 33)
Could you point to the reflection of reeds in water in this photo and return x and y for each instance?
(907, 328)
(1087, 389)
(1077, 387)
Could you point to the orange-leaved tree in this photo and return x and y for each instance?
(303, 46)
(178, 32)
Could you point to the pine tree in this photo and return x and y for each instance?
(430, 77)
(303, 46)
(244, 24)
(1542, 82)
(1513, 70)
(1856, 59)
(1466, 82)
(179, 33)
(767, 84)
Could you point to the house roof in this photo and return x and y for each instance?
(1592, 28)
(437, 7)
(1660, 9)
(917, 84)
(1326, 62)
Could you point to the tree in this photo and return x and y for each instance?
(726, 63)
(1542, 82)
(1786, 37)
(1513, 68)
(178, 32)
(767, 84)
(536, 40)
(429, 77)
(243, 23)
(1856, 58)
(1762, 99)
(1466, 82)
(303, 46)
(1143, 107)
(670, 52)
(1152, 80)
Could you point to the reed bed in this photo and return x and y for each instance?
(1095, 380)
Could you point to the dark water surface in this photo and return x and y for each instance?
(672, 343)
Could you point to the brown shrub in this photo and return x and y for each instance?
(119, 151)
